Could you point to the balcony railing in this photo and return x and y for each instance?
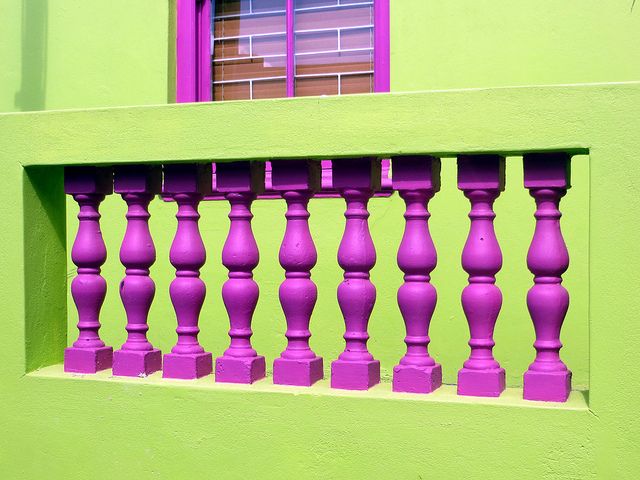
(139, 153)
(415, 177)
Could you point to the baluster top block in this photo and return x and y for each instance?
(296, 175)
(95, 180)
(363, 172)
(138, 179)
(547, 170)
(481, 172)
(187, 178)
(416, 172)
(240, 177)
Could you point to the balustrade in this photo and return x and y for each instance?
(416, 178)
(88, 186)
(240, 182)
(187, 184)
(137, 185)
(298, 364)
(547, 178)
(481, 178)
(356, 180)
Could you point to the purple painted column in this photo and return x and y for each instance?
(137, 185)
(298, 364)
(88, 185)
(481, 178)
(546, 175)
(357, 180)
(187, 183)
(417, 179)
(240, 182)
(193, 51)
(290, 46)
(186, 51)
(203, 51)
(381, 43)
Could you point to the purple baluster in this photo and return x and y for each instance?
(187, 184)
(356, 180)
(298, 364)
(240, 182)
(417, 179)
(137, 185)
(481, 178)
(546, 175)
(88, 185)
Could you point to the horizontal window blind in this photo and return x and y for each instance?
(249, 49)
(333, 48)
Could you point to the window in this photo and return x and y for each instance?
(333, 47)
(249, 49)
(252, 49)
(327, 48)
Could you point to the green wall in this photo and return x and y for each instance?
(495, 43)
(61, 54)
(61, 425)
(75, 54)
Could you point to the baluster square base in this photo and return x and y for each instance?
(240, 370)
(187, 366)
(481, 383)
(134, 363)
(547, 386)
(87, 360)
(300, 372)
(353, 375)
(415, 379)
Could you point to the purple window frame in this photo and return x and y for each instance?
(193, 51)
(193, 64)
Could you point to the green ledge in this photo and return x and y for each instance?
(511, 397)
(508, 120)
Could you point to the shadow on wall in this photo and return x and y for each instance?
(31, 95)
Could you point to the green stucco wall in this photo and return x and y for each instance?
(494, 43)
(77, 54)
(61, 54)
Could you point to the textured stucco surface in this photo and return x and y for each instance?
(73, 54)
(320, 433)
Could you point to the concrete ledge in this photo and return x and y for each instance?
(511, 397)
(531, 118)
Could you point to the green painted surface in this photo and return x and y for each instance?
(494, 43)
(75, 54)
(190, 134)
(327, 434)
(72, 54)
